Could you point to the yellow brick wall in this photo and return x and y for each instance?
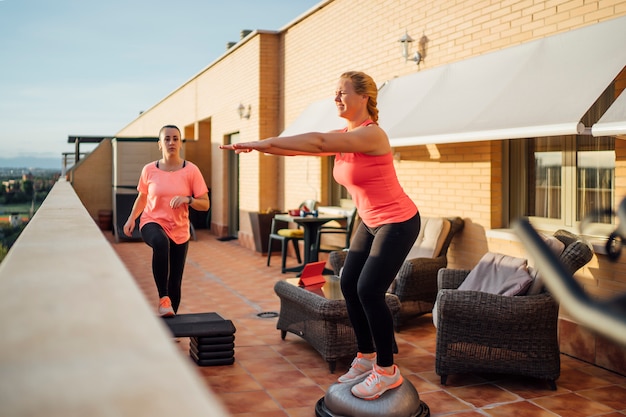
(280, 74)
(471, 186)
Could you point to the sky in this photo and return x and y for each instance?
(86, 67)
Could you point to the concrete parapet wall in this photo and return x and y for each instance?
(78, 337)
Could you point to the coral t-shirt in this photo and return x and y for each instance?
(373, 184)
(160, 187)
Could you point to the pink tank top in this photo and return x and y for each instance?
(373, 184)
(160, 187)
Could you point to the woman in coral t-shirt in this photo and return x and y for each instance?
(167, 188)
(390, 224)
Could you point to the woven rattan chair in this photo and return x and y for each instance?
(321, 321)
(490, 333)
(416, 282)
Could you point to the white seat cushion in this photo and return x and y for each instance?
(432, 235)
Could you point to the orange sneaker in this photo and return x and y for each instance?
(377, 383)
(165, 307)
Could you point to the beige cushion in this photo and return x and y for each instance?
(555, 246)
(499, 274)
(291, 232)
(432, 235)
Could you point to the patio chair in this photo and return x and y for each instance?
(499, 324)
(284, 235)
(279, 231)
(335, 228)
(415, 284)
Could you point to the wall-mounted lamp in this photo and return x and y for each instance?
(244, 113)
(405, 43)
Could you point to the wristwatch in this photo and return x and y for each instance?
(190, 199)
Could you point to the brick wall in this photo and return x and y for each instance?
(461, 179)
(279, 75)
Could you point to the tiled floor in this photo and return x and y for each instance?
(274, 377)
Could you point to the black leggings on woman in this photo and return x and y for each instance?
(168, 262)
(374, 259)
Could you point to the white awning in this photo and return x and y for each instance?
(541, 88)
(320, 116)
(613, 122)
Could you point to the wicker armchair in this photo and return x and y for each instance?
(321, 321)
(416, 282)
(491, 333)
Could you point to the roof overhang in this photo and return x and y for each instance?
(87, 139)
(541, 88)
(319, 116)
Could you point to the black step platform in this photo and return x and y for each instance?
(199, 325)
(211, 337)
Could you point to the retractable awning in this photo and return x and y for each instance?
(320, 116)
(541, 88)
(613, 122)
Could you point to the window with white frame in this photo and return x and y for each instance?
(559, 181)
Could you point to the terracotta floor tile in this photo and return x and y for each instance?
(422, 385)
(263, 365)
(612, 377)
(576, 380)
(290, 348)
(407, 349)
(518, 409)
(263, 414)
(297, 397)
(483, 395)
(612, 396)
(442, 403)
(301, 412)
(224, 370)
(272, 377)
(256, 352)
(232, 383)
(321, 376)
(281, 379)
(416, 363)
(460, 380)
(249, 402)
(530, 387)
(572, 405)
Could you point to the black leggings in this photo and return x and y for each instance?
(374, 259)
(168, 262)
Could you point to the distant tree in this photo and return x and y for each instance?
(27, 187)
(8, 198)
(19, 197)
(9, 234)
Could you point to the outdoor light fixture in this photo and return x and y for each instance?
(243, 112)
(405, 43)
